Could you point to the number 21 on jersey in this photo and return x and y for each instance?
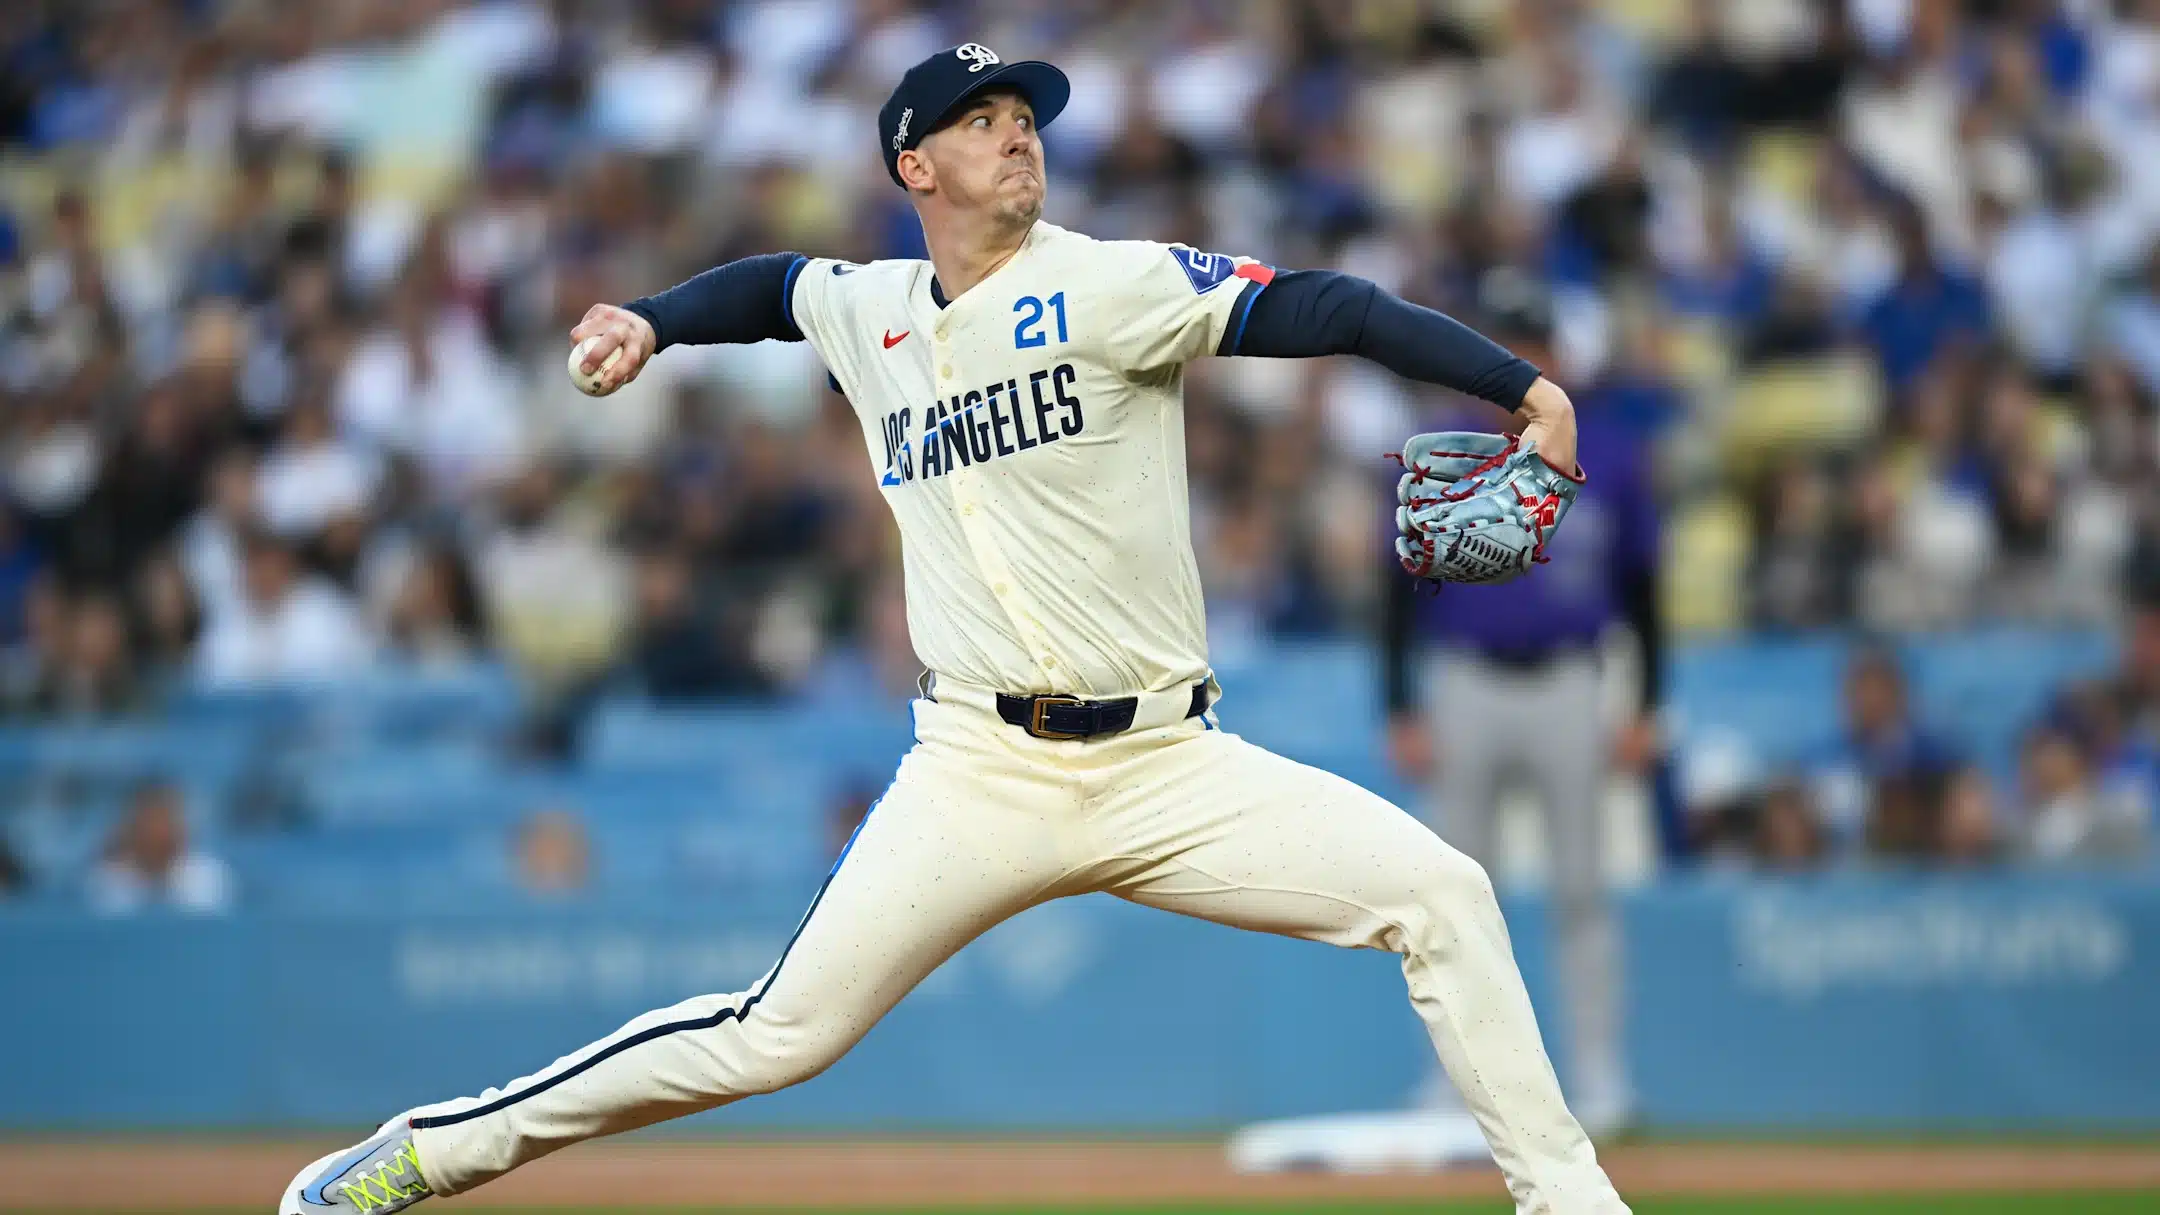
(1028, 333)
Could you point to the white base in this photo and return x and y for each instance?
(1406, 1140)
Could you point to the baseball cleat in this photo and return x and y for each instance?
(379, 1177)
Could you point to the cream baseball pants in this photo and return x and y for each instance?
(983, 821)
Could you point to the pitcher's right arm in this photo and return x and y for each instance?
(744, 301)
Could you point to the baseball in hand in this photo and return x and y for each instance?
(591, 384)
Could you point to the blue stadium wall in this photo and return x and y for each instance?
(1827, 1004)
(1843, 1002)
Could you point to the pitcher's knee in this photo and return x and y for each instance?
(791, 1070)
(772, 1058)
(1450, 896)
(1453, 875)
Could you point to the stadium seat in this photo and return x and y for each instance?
(1784, 697)
(387, 705)
(1780, 696)
(1782, 161)
(1322, 696)
(1985, 688)
(1699, 352)
(1827, 402)
(1706, 555)
(388, 785)
(627, 735)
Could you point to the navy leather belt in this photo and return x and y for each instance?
(1068, 717)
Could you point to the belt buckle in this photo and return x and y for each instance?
(1041, 704)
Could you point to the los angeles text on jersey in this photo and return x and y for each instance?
(1000, 419)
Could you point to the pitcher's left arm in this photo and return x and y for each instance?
(1311, 313)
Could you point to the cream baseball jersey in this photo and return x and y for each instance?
(1030, 439)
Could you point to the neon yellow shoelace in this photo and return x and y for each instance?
(393, 1179)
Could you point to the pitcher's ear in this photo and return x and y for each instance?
(916, 172)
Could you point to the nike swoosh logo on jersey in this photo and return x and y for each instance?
(891, 341)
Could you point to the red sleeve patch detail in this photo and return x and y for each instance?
(1258, 273)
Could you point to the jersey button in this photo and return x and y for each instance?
(1002, 589)
(967, 508)
(945, 372)
(1050, 662)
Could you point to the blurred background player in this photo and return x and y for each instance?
(1494, 691)
(1497, 690)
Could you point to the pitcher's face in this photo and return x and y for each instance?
(989, 157)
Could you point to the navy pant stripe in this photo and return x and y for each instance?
(658, 1031)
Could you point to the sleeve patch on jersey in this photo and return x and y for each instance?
(1258, 273)
(1205, 271)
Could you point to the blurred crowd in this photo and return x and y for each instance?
(284, 291)
(1894, 789)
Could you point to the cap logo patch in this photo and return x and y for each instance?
(899, 135)
(977, 55)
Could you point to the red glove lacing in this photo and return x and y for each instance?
(1544, 512)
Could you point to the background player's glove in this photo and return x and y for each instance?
(1477, 507)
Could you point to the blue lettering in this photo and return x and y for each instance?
(1022, 339)
(978, 427)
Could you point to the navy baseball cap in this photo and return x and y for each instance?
(932, 89)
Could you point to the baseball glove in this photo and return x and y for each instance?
(1477, 507)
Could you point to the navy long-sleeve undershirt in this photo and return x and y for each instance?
(1297, 314)
(1303, 314)
(741, 302)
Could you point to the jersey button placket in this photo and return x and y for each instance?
(976, 526)
(990, 559)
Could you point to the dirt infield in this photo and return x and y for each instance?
(119, 1174)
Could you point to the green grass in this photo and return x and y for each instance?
(1962, 1204)
(2131, 1203)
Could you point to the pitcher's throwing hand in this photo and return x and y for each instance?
(605, 330)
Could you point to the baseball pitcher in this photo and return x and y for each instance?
(1020, 394)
